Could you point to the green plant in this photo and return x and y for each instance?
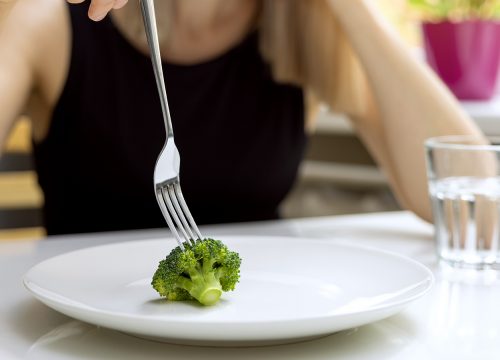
(456, 10)
(200, 271)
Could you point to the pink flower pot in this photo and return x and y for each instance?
(465, 55)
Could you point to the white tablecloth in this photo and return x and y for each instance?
(458, 319)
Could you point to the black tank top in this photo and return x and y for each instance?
(240, 136)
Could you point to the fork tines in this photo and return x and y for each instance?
(173, 206)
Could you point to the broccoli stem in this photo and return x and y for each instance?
(209, 296)
(203, 286)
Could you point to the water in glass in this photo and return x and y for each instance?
(467, 219)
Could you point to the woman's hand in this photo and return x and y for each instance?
(99, 8)
(97, 11)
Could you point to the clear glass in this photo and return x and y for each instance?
(464, 186)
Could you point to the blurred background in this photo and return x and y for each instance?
(338, 176)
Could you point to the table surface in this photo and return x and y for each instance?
(458, 319)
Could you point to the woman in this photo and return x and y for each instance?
(236, 72)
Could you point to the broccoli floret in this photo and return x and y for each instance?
(202, 271)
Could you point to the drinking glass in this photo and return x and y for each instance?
(464, 186)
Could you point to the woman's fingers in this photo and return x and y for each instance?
(100, 8)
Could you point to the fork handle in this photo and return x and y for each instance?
(148, 14)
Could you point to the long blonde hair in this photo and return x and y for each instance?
(304, 45)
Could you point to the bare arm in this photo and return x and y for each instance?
(16, 75)
(31, 57)
(34, 57)
(409, 103)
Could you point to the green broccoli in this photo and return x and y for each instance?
(202, 271)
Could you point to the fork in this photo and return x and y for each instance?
(166, 175)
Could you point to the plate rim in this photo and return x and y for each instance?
(428, 282)
(51, 296)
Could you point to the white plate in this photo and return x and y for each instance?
(290, 289)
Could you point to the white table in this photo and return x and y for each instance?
(458, 319)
